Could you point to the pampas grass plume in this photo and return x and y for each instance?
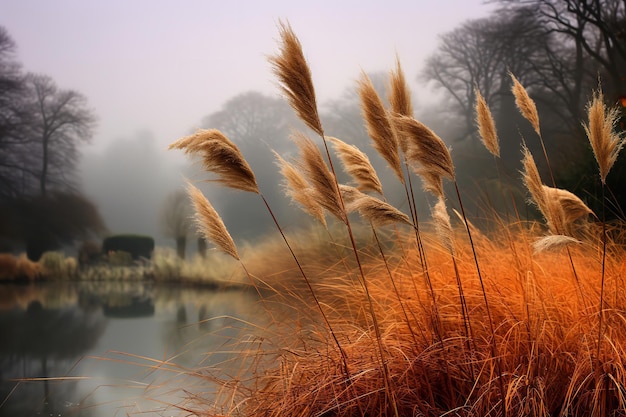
(296, 82)
(525, 104)
(441, 219)
(605, 143)
(221, 157)
(400, 98)
(425, 148)
(299, 189)
(209, 222)
(357, 164)
(319, 176)
(374, 210)
(379, 126)
(486, 125)
(552, 242)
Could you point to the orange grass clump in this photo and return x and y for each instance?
(513, 337)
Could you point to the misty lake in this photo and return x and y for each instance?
(91, 348)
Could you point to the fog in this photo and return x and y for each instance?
(152, 71)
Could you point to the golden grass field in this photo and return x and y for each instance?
(391, 315)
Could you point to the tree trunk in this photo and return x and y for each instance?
(202, 245)
(44, 166)
(181, 246)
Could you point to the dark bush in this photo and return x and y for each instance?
(137, 245)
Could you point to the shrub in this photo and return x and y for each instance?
(120, 258)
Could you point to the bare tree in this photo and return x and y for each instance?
(176, 220)
(596, 29)
(12, 146)
(59, 120)
(480, 54)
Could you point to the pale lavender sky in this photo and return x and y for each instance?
(152, 69)
(163, 65)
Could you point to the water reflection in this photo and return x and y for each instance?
(55, 334)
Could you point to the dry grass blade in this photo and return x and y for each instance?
(551, 242)
(376, 211)
(486, 125)
(426, 148)
(379, 126)
(319, 176)
(443, 227)
(605, 142)
(525, 104)
(296, 82)
(210, 223)
(357, 164)
(221, 157)
(299, 189)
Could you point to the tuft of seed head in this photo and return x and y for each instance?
(399, 96)
(357, 164)
(295, 79)
(372, 209)
(299, 190)
(379, 126)
(552, 242)
(427, 150)
(605, 142)
(316, 171)
(525, 104)
(220, 156)
(209, 222)
(560, 208)
(443, 227)
(486, 125)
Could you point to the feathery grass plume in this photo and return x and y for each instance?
(374, 210)
(209, 223)
(572, 206)
(486, 125)
(358, 165)
(349, 193)
(525, 104)
(431, 182)
(319, 176)
(532, 180)
(551, 242)
(399, 92)
(299, 189)
(426, 149)
(221, 157)
(605, 142)
(443, 227)
(296, 82)
(399, 97)
(379, 125)
(549, 208)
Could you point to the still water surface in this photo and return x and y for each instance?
(77, 348)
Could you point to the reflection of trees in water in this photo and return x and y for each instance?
(42, 342)
(206, 322)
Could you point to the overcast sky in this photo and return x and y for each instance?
(152, 69)
(163, 65)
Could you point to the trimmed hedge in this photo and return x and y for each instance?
(137, 245)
